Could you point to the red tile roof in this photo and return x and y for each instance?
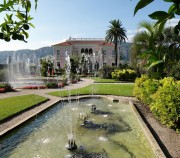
(68, 43)
(62, 44)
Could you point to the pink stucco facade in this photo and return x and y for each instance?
(102, 50)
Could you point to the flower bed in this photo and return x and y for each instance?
(60, 85)
(74, 81)
(34, 87)
(2, 90)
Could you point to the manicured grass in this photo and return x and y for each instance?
(100, 89)
(14, 105)
(101, 80)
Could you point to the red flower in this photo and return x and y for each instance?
(2, 90)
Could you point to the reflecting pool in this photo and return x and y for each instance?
(113, 131)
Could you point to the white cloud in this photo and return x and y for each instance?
(172, 22)
(132, 31)
(130, 38)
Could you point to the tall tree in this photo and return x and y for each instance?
(116, 34)
(16, 20)
(154, 51)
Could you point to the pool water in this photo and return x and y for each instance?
(113, 132)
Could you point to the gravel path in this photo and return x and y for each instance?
(43, 92)
(168, 139)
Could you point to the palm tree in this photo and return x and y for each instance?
(155, 50)
(145, 45)
(116, 34)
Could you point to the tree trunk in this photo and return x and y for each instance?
(116, 55)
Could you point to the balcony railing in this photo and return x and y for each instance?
(86, 39)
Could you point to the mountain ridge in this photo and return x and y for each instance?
(39, 53)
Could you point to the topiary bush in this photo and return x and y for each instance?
(105, 72)
(124, 74)
(166, 103)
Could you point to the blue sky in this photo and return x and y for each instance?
(57, 20)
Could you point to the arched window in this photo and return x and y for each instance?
(82, 50)
(86, 50)
(90, 51)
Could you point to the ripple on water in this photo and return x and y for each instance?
(103, 139)
(123, 110)
(74, 109)
(45, 141)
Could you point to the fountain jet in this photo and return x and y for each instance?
(71, 145)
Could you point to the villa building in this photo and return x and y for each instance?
(100, 50)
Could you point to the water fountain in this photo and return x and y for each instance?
(108, 130)
(68, 67)
(71, 137)
(21, 68)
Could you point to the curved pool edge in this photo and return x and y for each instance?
(152, 141)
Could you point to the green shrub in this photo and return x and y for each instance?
(3, 75)
(162, 96)
(52, 85)
(124, 74)
(175, 71)
(105, 72)
(139, 85)
(166, 103)
(144, 88)
(150, 86)
(6, 86)
(73, 77)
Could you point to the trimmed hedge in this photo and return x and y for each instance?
(163, 98)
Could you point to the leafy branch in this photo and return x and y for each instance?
(162, 16)
(17, 19)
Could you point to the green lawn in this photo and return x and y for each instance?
(101, 89)
(14, 105)
(101, 80)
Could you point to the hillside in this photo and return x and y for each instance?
(38, 53)
(124, 50)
